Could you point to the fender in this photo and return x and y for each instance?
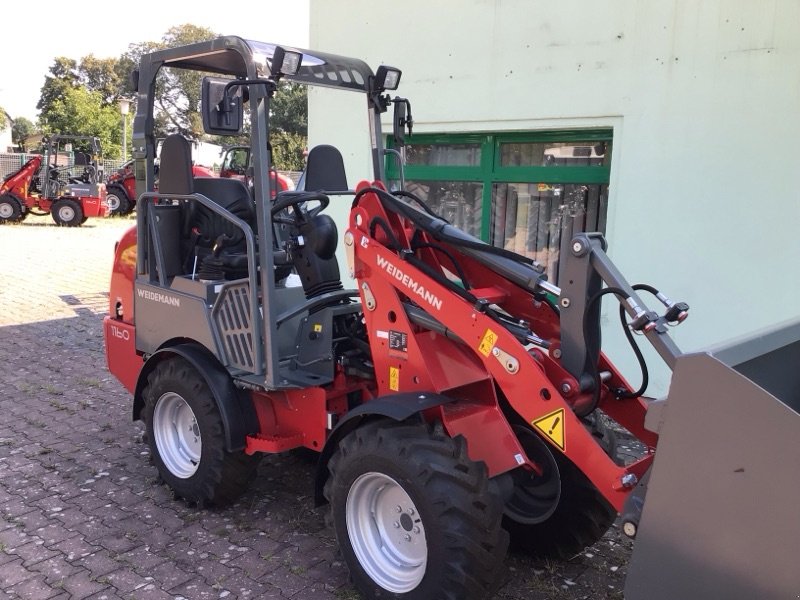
(235, 407)
(397, 407)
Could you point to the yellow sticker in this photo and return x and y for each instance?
(317, 327)
(487, 342)
(552, 425)
(394, 379)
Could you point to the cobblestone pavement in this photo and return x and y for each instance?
(82, 514)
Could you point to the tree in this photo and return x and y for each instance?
(289, 126)
(83, 112)
(21, 130)
(4, 118)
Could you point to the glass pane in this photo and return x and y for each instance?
(457, 201)
(452, 155)
(531, 218)
(550, 154)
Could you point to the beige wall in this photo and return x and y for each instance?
(704, 99)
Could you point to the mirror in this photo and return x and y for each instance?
(222, 111)
(402, 119)
(399, 130)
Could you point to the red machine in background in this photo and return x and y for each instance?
(121, 187)
(39, 187)
(236, 165)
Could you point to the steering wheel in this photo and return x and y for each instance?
(295, 199)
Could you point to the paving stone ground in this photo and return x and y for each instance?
(82, 514)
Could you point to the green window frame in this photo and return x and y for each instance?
(490, 170)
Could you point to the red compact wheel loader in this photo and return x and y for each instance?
(453, 395)
(121, 187)
(41, 188)
(236, 165)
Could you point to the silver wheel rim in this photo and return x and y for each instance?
(66, 213)
(113, 201)
(6, 210)
(386, 532)
(177, 435)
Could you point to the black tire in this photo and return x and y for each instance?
(448, 511)
(219, 477)
(67, 213)
(11, 209)
(578, 518)
(118, 202)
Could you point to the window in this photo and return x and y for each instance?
(520, 191)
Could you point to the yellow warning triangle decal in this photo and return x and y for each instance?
(552, 426)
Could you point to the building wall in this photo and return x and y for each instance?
(704, 100)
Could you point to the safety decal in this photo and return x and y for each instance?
(552, 426)
(488, 341)
(394, 379)
(317, 327)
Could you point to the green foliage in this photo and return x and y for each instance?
(83, 112)
(21, 130)
(3, 119)
(178, 96)
(287, 150)
(289, 109)
(81, 98)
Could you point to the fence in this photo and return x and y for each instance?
(9, 163)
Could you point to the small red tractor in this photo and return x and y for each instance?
(121, 187)
(458, 401)
(38, 187)
(236, 165)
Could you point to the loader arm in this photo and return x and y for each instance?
(450, 314)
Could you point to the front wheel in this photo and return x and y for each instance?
(11, 209)
(67, 213)
(117, 201)
(415, 518)
(187, 438)
(558, 513)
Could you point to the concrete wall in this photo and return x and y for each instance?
(704, 99)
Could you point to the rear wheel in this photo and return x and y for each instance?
(187, 438)
(557, 514)
(415, 518)
(67, 213)
(10, 209)
(117, 201)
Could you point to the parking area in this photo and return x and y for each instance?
(82, 514)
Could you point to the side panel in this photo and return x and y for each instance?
(121, 358)
(170, 315)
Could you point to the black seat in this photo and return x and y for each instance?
(205, 234)
(315, 261)
(324, 171)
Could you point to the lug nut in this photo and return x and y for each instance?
(407, 537)
(396, 525)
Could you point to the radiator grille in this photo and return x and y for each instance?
(232, 318)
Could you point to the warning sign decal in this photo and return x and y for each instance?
(488, 341)
(552, 426)
(394, 379)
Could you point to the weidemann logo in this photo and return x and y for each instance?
(156, 297)
(412, 285)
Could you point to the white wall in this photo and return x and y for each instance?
(704, 99)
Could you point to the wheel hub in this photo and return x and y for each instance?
(66, 213)
(177, 435)
(6, 210)
(386, 532)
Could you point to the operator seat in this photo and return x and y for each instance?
(315, 261)
(204, 233)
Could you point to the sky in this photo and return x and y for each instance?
(29, 51)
